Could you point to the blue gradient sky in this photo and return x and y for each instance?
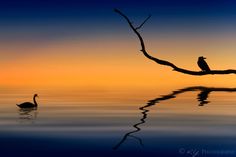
(43, 20)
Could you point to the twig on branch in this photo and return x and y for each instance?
(143, 22)
(167, 63)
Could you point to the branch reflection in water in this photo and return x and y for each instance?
(201, 97)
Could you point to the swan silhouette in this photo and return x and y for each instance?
(29, 104)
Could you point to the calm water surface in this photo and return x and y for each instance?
(192, 121)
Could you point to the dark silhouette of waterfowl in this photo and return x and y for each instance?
(29, 104)
(203, 64)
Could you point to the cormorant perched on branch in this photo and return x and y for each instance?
(203, 64)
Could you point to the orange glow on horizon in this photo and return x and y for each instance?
(112, 63)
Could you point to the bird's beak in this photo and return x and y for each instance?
(204, 58)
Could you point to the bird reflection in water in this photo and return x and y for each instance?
(27, 115)
(201, 98)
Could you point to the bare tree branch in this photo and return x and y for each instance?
(167, 63)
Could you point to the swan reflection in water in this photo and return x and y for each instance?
(27, 115)
(201, 98)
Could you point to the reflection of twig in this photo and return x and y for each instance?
(137, 138)
(137, 129)
(201, 97)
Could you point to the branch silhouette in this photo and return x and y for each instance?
(201, 97)
(163, 62)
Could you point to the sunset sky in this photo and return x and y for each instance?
(73, 43)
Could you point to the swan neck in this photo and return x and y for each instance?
(35, 101)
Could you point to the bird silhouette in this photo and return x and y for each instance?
(29, 104)
(203, 64)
